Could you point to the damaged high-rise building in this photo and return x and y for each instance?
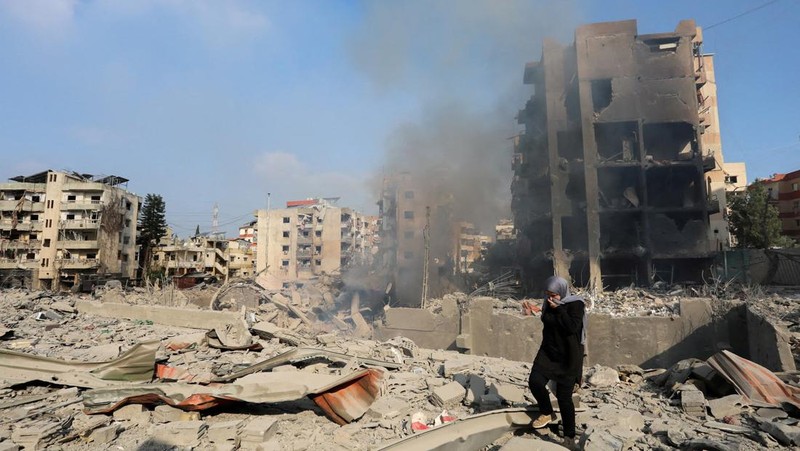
(613, 177)
(63, 229)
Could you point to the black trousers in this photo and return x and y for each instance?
(538, 385)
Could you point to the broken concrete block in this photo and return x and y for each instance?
(511, 394)
(226, 431)
(448, 395)
(693, 402)
(61, 306)
(785, 434)
(167, 414)
(726, 406)
(768, 413)
(387, 407)
(489, 401)
(180, 433)
(603, 377)
(454, 366)
(257, 432)
(285, 369)
(8, 445)
(477, 388)
(326, 339)
(464, 341)
(104, 435)
(129, 412)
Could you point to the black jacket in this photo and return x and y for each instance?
(560, 355)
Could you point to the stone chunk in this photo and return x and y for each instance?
(454, 366)
(448, 395)
(693, 402)
(226, 431)
(168, 414)
(511, 394)
(130, 412)
(726, 406)
(180, 433)
(489, 401)
(477, 388)
(785, 434)
(257, 432)
(387, 407)
(104, 435)
(8, 446)
(601, 376)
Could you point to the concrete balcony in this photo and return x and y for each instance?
(81, 205)
(6, 224)
(17, 263)
(79, 224)
(81, 187)
(16, 244)
(184, 264)
(78, 244)
(303, 253)
(76, 263)
(303, 239)
(27, 205)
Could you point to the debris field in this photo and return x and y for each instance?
(274, 376)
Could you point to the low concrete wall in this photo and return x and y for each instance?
(425, 329)
(770, 343)
(645, 341)
(170, 316)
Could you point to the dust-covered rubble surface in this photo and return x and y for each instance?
(627, 407)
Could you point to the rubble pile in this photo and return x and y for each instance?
(70, 380)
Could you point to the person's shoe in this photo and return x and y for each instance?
(543, 420)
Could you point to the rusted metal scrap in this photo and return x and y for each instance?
(343, 398)
(135, 365)
(756, 383)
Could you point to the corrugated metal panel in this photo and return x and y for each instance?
(753, 381)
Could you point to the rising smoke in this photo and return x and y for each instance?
(461, 61)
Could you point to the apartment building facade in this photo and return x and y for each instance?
(610, 180)
(58, 226)
(309, 238)
(784, 192)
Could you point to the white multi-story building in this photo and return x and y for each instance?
(309, 238)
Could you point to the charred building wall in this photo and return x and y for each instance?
(609, 186)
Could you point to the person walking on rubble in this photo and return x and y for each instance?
(560, 356)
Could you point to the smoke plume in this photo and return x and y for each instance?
(461, 62)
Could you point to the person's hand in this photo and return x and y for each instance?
(552, 303)
(529, 308)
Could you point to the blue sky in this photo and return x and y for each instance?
(206, 101)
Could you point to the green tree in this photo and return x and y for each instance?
(152, 226)
(754, 221)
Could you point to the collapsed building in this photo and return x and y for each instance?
(58, 229)
(614, 175)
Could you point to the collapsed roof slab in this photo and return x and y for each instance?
(135, 365)
(475, 432)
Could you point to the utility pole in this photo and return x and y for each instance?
(426, 235)
(764, 218)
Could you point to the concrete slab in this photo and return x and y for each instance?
(170, 316)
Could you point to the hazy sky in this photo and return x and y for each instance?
(212, 101)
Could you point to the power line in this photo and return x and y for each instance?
(751, 10)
